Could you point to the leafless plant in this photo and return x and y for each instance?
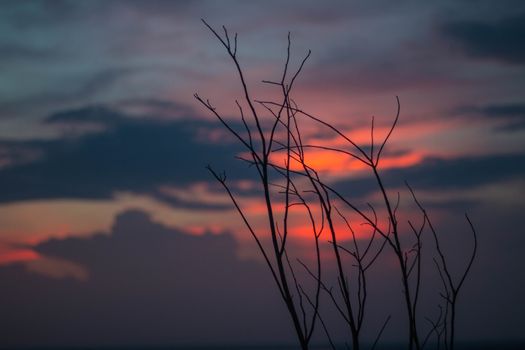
(259, 142)
(409, 257)
(349, 302)
(447, 323)
(278, 132)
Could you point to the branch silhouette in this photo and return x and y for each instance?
(291, 186)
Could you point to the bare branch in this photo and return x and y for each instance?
(389, 132)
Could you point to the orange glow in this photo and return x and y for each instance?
(35, 235)
(343, 233)
(341, 164)
(322, 161)
(258, 207)
(402, 161)
(17, 255)
(331, 161)
(415, 133)
(48, 266)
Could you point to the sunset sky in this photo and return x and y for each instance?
(113, 232)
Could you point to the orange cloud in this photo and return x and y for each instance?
(340, 164)
(13, 255)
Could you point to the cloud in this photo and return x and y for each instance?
(505, 110)
(500, 39)
(120, 154)
(511, 115)
(88, 114)
(464, 172)
(144, 283)
(444, 174)
(70, 90)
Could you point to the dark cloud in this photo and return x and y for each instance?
(14, 153)
(151, 285)
(501, 39)
(82, 88)
(127, 154)
(505, 110)
(512, 115)
(148, 285)
(444, 174)
(89, 114)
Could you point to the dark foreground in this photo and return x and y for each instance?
(464, 346)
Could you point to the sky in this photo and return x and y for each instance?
(112, 231)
